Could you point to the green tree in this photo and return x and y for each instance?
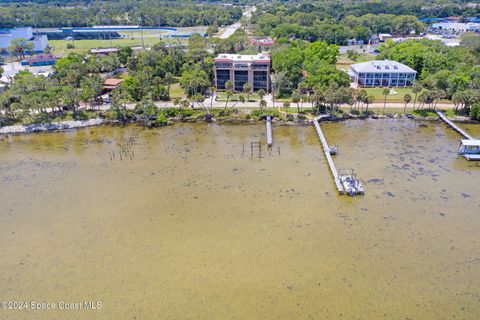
(91, 89)
(228, 92)
(385, 93)
(20, 46)
(406, 99)
(169, 77)
(368, 100)
(262, 104)
(296, 97)
(247, 89)
(416, 88)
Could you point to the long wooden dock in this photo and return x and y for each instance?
(326, 151)
(269, 132)
(453, 125)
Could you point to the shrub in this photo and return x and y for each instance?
(80, 115)
(70, 46)
(475, 111)
(267, 112)
(161, 120)
(171, 112)
(225, 113)
(185, 112)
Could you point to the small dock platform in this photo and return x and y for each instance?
(269, 132)
(326, 151)
(453, 125)
(469, 147)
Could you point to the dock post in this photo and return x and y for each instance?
(269, 132)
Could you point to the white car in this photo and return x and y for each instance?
(44, 73)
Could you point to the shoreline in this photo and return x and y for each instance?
(76, 124)
(54, 126)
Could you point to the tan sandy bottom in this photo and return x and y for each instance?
(193, 227)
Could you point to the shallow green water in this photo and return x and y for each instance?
(193, 227)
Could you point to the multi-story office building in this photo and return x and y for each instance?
(382, 73)
(240, 69)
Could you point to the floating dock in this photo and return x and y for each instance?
(453, 125)
(326, 151)
(269, 132)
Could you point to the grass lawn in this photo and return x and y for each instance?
(222, 96)
(377, 94)
(176, 91)
(344, 62)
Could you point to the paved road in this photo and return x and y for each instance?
(229, 30)
(278, 104)
(11, 70)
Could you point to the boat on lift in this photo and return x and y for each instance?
(351, 184)
(470, 149)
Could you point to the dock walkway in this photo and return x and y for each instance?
(326, 151)
(453, 125)
(269, 132)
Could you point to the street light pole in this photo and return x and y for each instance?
(141, 31)
(71, 33)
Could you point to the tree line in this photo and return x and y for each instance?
(122, 12)
(309, 26)
(451, 73)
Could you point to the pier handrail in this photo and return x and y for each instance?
(453, 125)
(269, 131)
(326, 151)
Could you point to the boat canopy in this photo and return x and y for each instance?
(470, 143)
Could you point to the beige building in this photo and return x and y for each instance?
(240, 69)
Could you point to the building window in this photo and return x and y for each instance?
(241, 77)
(260, 80)
(222, 77)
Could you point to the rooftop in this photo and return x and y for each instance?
(243, 58)
(105, 50)
(112, 82)
(382, 66)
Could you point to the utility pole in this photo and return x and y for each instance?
(71, 33)
(159, 27)
(34, 16)
(141, 31)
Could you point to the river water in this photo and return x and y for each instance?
(189, 225)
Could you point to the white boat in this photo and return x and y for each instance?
(470, 149)
(333, 150)
(351, 185)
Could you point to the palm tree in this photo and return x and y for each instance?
(302, 89)
(261, 93)
(439, 94)
(229, 91)
(229, 94)
(262, 105)
(247, 89)
(416, 88)
(184, 103)
(368, 100)
(362, 96)
(169, 79)
(385, 93)
(176, 101)
(296, 99)
(241, 98)
(406, 98)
